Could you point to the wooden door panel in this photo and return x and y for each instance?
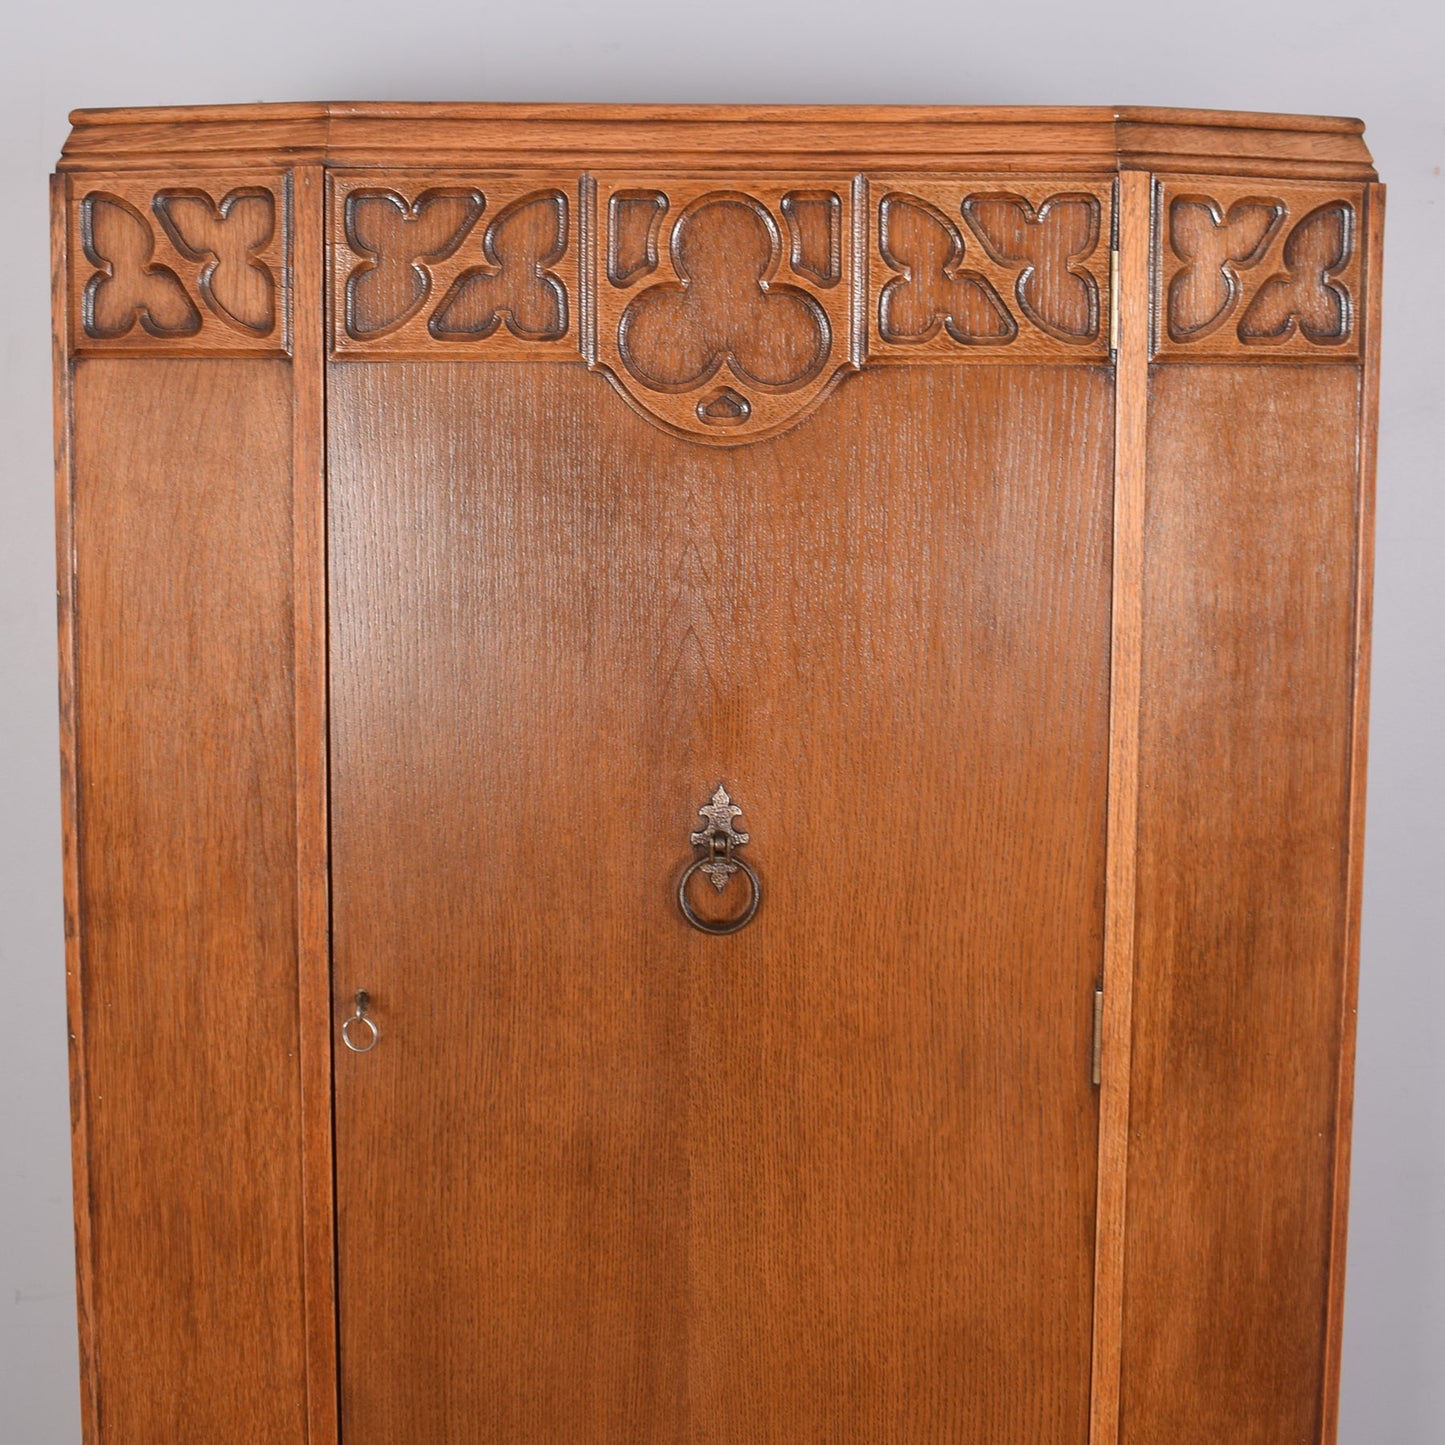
(605, 1178)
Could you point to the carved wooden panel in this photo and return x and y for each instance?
(1258, 268)
(720, 309)
(430, 264)
(719, 312)
(973, 267)
(196, 268)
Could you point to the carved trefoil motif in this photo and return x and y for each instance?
(1258, 269)
(976, 269)
(721, 313)
(196, 269)
(483, 265)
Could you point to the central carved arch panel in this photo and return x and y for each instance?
(721, 313)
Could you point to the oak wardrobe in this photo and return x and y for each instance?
(713, 770)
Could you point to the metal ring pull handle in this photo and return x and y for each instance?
(719, 864)
(363, 1002)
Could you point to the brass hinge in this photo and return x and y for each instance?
(1114, 299)
(1097, 1063)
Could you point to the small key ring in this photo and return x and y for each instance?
(363, 1001)
(730, 925)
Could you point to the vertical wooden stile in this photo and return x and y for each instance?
(1359, 743)
(70, 793)
(313, 943)
(1130, 400)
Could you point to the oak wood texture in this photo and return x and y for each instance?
(1374, 240)
(185, 880)
(65, 561)
(1131, 382)
(313, 865)
(192, 266)
(1273, 269)
(1042, 139)
(584, 603)
(831, 1177)
(1244, 795)
(989, 264)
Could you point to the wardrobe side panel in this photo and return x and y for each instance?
(181, 506)
(1244, 794)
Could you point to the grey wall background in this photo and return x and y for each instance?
(1380, 61)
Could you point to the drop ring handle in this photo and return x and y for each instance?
(720, 862)
(368, 1040)
(730, 925)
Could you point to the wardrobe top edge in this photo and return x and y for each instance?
(1075, 138)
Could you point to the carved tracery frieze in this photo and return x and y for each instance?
(463, 265)
(193, 269)
(987, 271)
(1258, 269)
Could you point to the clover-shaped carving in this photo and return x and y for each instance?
(1054, 291)
(128, 286)
(1216, 246)
(1305, 295)
(725, 309)
(224, 239)
(933, 292)
(398, 244)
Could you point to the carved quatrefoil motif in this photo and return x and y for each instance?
(399, 244)
(225, 239)
(1216, 246)
(1053, 289)
(934, 292)
(222, 242)
(1251, 272)
(516, 284)
(129, 287)
(411, 251)
(725, 310)
(1306, 295)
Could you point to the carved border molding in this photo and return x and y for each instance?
(169, 266)
(1257, 270)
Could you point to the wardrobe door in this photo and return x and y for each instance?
(605, 1176)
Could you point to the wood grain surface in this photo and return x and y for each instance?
(1244, 796)
(1131, 402)
(312, 741)
(1369, 438)
(1024, 675)
(605, 1178)
(187, 899)
(1006, 139)
(65, 561)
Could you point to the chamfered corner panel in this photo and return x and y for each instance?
(184, 738)
(831, 1177)
(1244, 794)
